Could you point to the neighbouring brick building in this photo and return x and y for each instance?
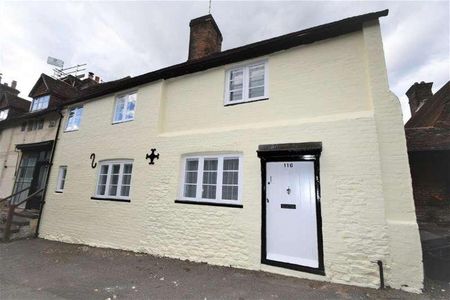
(428, 139)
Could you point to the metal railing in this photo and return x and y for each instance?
(15, 194)
(11, 210)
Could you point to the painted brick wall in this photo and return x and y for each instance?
(319, 92)
(9, 156)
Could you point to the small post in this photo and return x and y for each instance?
(380, 269)
(8, 223)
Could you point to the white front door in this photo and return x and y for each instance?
(291, 220)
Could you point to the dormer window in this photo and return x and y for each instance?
(40, 103)
(4, 114)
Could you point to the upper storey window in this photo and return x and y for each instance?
(4, 114)
(74, 119)
(246, 83)
(40, 103)
(125, 107)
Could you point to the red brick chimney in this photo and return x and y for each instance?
(418, 94)
(205, 37)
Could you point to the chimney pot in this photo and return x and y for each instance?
(91, 75)
(205, 37)
(418, 94)
(97, 78)
(14, 84)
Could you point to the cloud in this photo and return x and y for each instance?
(117, 39)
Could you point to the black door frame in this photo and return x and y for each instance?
(291, 152)
(35, 201)
(34, 148)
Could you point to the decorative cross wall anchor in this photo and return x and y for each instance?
(152, 156)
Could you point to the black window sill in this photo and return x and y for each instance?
(59, 192)
(111, 199)
(247, 101)
(209, 203)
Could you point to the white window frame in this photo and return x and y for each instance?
(38, 102)
(61, 179)
(122, 162)
(4, 114)
(246, 82)
(127, 94)
(68, 118)
(219, 183)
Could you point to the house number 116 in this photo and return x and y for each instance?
(288, 165)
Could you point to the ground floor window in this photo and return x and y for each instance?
(114, 179)
(61, 179)
(212, 178)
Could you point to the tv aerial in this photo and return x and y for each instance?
(61, 72)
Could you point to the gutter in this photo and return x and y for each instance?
(52, 155)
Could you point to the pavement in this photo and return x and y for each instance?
(41, 269)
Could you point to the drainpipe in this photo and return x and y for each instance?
(48, 173)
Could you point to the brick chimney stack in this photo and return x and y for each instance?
(418, 94)
(205, 37)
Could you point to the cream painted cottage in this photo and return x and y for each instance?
(287, 155)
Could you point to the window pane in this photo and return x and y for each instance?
(120, 107)
(236, 84)
(112, 190)
(191, 177)
(237, 75)
(102, 179)
(190, 190)
(231, 164)
(101, 189)
(209, 192)
(230, 192)
(104, 169)
(131, 104)
(230, 177)
(256, 75)
(74, 120)
(127, 168)
(236, 95)
(210, 164)
(209, 178)
(126, 179)
(125, 191)
(256, 92)
(192, 164)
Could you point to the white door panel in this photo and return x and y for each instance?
(291, 221)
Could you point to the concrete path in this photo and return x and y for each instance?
(40, 269)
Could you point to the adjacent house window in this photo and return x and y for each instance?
(214, 179)
(61, 178)
(40, 103)
(114, 180)
(246, 83)
(125, 108)
(74, 119)
(40, 124)
(33, 125)
(4, 114)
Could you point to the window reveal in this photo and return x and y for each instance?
(114, 179)
(246, 83)
(125, 108)
(212, 179)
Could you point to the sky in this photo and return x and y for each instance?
(120, 38)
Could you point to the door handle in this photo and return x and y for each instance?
(267, 200)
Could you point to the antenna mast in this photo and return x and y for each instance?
(60, 72)
(209, 10)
